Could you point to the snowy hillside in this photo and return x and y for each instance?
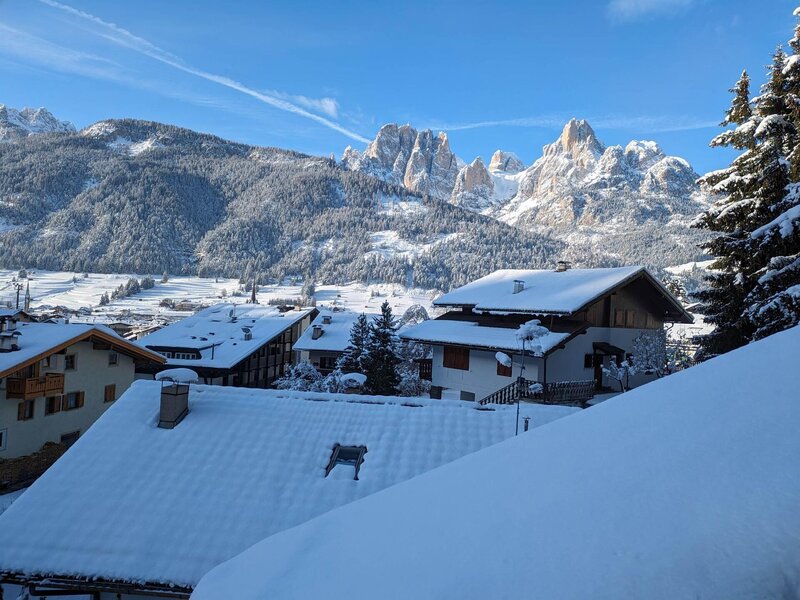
(682, 488)
(15, 124)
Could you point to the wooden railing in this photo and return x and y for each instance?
(425, 368)
(33, 387)
(570, 393)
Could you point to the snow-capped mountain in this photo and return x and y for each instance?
(15, 124)
(624, 201)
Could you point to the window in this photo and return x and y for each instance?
(110, 393)
(113, 359)
(52, 404)
(619, 318)
(346, 455)
(503, 370)
(70, 438)
(469, 396)
(3, 436)
(25, 410)
(456, 357)
(630, 318)
(72, 401)
(47, 361)
(327, 363)
(588, 361)
(70, 362)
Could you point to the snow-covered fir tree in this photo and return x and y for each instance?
(351, 359)
(301, 377)
(754, 289)
(381, 360)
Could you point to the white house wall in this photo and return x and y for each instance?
(91, 375)
(481, 379)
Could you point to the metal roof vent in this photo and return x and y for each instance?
(248, 334)
(519, 285)
(316, 332)
(326, 319)
(562, 265)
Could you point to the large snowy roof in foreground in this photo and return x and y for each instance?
(216, 332)
(335, 335)
(133, 502)
(38, 339)
(683, 488)
(545, 291)
(467, 333)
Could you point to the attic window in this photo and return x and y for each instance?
(346, 455)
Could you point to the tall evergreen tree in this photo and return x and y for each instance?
(756, 289)
(723, 298)
(381, 360)
(351, 359)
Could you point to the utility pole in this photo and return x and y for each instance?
(18, 287)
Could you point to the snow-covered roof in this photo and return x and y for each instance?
(686, 487)
(133, 502)
(217, 333)
(468, 333)
(543, 291)
(36, 340)
(335, 335)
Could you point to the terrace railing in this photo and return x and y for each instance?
(569, 393)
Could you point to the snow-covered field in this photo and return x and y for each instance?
(74, 291)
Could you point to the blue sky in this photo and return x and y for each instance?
(317, 76)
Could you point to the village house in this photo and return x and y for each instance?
(241, 345)
(55, 381)
(325, 341)
(592, 315)
(181, 478)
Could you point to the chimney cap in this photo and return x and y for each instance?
(519, 285)
(180, 375)
(562, 265)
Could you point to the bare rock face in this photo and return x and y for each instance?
(505, 162)
(402, 155)
(474, 187)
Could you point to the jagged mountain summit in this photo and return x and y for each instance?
(635, 202)
(16, 124)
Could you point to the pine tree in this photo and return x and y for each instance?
(351, 359)
(774, 303)
(723, 299)
(381, 360)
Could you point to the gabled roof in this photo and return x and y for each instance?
(468, 333)
(550, 292)
(217, 333)
(135, 503)
(38, 340)
(335, 335)
(686, 487)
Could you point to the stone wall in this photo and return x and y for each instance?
(20, 472)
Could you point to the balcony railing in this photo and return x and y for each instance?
(570, 393)
(26, 388)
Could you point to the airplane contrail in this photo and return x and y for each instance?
(125, 38)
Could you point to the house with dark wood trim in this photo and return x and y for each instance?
(593, 316)
(56, 379)
(242, 345)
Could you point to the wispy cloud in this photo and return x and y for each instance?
(41, 52)
(125, 38)
(632, 10)
(327, 106)
(642, 123)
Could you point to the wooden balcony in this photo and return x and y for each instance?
(50, 384)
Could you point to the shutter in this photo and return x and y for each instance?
(80, 399)
(64, 405)
(21, 411)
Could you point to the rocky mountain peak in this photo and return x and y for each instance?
(15, 124)
(506, 162)
(473, 187)
(577, 137)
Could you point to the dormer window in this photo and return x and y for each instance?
(346, 455)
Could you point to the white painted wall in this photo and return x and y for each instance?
(91, 375)
(482, 378)
(562, 365)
